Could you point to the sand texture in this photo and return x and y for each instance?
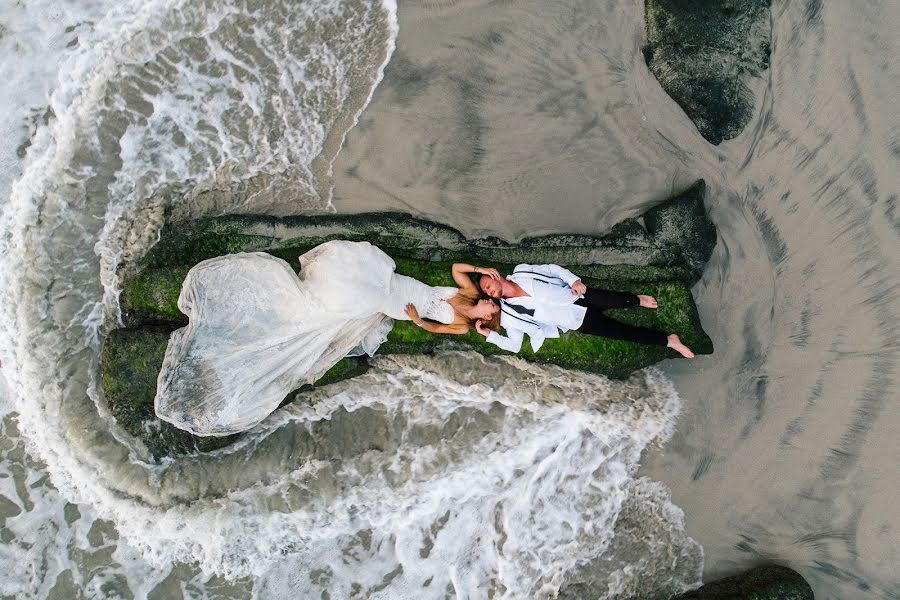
(528, 118)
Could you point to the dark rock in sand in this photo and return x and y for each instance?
(682, 227)
(762, 583)
(701, 53)
(662, 259)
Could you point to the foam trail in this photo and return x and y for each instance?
(128, 128)
(527, 502)
(35, 37)
(59, 547)
(524, 469)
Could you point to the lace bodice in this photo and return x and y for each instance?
(431, 302)
(438, 308)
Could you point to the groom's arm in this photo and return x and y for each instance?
(552, 270)
(511, 342)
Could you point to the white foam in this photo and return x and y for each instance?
(520, 511)
(35, 37)
(76, 188)
(52, 539)
(529, 500)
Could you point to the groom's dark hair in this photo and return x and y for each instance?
(481, 279)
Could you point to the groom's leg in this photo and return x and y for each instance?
(597, 323)
(604, 299)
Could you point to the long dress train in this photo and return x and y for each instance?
(257, 331)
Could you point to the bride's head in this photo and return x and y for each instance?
(482, 309)
(485, 309)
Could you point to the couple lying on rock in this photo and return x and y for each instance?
(540, 301)
(257, 331)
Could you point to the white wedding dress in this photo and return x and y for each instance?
(257, 331)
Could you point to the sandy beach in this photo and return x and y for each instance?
(526, 119)
(515, 121)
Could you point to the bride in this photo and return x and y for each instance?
(257, 331)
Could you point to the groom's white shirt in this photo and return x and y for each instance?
(549, 289)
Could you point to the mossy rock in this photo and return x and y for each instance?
(762, 583)
(661, 257)
(629, 243)
(129, 364)
(701, 53)
(130, 361)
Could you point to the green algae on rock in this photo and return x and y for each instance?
(762, 583)
(130, 362)
(701, 52)
(661, 257)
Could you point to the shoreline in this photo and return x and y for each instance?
(509, 120)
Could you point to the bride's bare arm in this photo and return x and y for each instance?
(434, 326)
(461, 275)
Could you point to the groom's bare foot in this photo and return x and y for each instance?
(647, 301)
(675, 344)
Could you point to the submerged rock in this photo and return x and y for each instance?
(701, 53)
(661, 257)
(762, 583)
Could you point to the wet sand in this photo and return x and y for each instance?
(523, 119)
(513, 120)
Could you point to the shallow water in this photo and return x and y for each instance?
(784, 448)
(509, 119)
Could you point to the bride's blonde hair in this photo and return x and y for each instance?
(493, 323)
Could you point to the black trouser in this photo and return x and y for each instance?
(597, 323)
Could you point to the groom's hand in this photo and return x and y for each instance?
(578, 288)
(490, 272)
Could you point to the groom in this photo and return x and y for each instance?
(542, 300)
